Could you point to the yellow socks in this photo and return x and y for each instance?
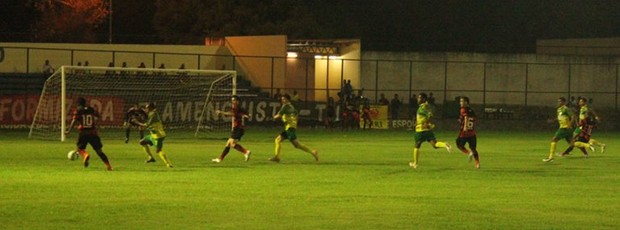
(164, 158)
(552, 149)
(416, 154)
(582, 144)
(278, 147)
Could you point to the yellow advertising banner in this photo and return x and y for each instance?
(379, 116)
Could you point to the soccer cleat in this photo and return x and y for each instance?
(85, 161)
(169, 166)
(216, 160)
(150, 160)
(602, 148)
(477, 165)
(562, 154)
(315, 154)
(547, 160)
(586, 155)
(470, 156)
(275, 159)
(126, 140)
(448, 147)
(246, 156)
(413, 165)
(592, 148)
(110, 169)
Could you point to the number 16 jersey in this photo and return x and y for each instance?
(467, 122)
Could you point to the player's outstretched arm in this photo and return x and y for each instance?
(223, 113)
(70, 127)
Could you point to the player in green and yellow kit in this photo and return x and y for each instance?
(289, 116)
(564, 116)
(156, 137)
(584, 112)
(424, 129)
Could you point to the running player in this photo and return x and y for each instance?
(467, 132)
(424, 129)
(565, 120)
(289, 114)
(237, 113)
(156, 137)
(582, 139)
(85, 116)
(597, 119)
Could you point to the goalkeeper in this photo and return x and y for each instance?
(133, 117)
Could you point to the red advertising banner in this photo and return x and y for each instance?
(20, 109)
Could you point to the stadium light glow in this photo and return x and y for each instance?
(327, 57)
(291, 54)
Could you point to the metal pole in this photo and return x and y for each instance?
(484, 86)
(616, 87)
(63, 102)
(272, 77)
(110, 24)
(569, 78)
(526, 78)
(410, 80)
(445, 83)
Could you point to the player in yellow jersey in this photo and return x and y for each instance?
(289, 116)
(424, 129)
(156, 137)
(564, 116)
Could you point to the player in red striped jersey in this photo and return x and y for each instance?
(85, 116)
(582, 139)
(133, 117)
(237, 132)
(467, 132)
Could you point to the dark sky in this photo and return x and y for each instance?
(461, 25)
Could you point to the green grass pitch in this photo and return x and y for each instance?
(362, 182)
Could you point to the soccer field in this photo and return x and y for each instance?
(363, 181)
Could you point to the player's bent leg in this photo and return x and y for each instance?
(85, 157)
(104, 158)
(147, 150)
(301, 146)
(278, 147)
(306, 149)
(127, 131)
(164, 158)
(583, 145)
(441, 144)
(552, 148)
(597, 143)
(222, 155)
(416, 154)
(460, 144)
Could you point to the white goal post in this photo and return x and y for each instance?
(186, 98)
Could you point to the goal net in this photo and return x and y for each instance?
(185, 98)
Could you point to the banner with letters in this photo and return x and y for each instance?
(18, 111)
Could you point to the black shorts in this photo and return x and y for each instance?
(460, 141)
(290, 134)
(237, 133)
(89, 138)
